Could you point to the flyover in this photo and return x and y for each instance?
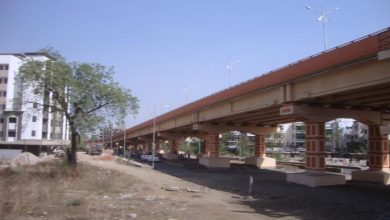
(349, 81)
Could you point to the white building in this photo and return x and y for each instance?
(338, 133)
(294, 135)
(25, 122)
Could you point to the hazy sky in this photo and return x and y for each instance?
(160, 48)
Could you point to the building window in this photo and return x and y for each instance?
(6, 80)
(44, 135)
(11, 134)
(34, 118)
(1, 120)
(3, 66)
(33, 133)
(1, 133)
(3, 93)
(44, 121)
(12, 120)
(2, 107)
(299, 127)
(35, 105)
(36, 91)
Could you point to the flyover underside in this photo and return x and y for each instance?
(358, 90)
(373, 98)
(364, 85)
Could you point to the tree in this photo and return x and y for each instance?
(274, 140)
(84, 93)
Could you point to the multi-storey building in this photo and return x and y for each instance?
(338, 133)
(357, 132)
(294, 135)
(26, 121)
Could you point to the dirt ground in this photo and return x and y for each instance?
(104, 189)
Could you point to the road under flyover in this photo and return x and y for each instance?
(349, 81)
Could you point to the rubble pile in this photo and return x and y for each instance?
(25, 158)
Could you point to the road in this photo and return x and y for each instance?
(224, 193)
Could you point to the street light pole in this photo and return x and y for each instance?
(323, 18)
(154, 135)
(124, 139)
(230, 68)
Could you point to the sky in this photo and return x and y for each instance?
(172, 52)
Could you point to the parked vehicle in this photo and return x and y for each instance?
(151, 159)
(145, 156)
(181, 156)
(94, 149)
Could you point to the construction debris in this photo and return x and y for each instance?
(178, 189)
(25, 158)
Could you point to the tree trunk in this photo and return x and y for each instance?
(72, 153)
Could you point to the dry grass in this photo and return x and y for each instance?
(54, 190)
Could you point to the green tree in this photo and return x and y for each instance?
(84, 93)
(274, 140)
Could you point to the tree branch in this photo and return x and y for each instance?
(98, 107)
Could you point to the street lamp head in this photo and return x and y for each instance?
(308, 7)
(322, 18)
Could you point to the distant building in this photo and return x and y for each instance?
(25, 123)
(357, 132)
(337, 132)
(294, 135)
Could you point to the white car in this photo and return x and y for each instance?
(145, 156)
(151, 158)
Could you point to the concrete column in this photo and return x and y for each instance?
(212, 159)
(260, 146)
(173, 151)
(147, 147)
(315, 146)
(174, 146)
(260, 160)
(378, 150)
(213, 142)
(158, 143)
(203, 147)
(315, 174)
(378, 158)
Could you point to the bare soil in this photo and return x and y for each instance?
(103, 190)
(106, 189)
